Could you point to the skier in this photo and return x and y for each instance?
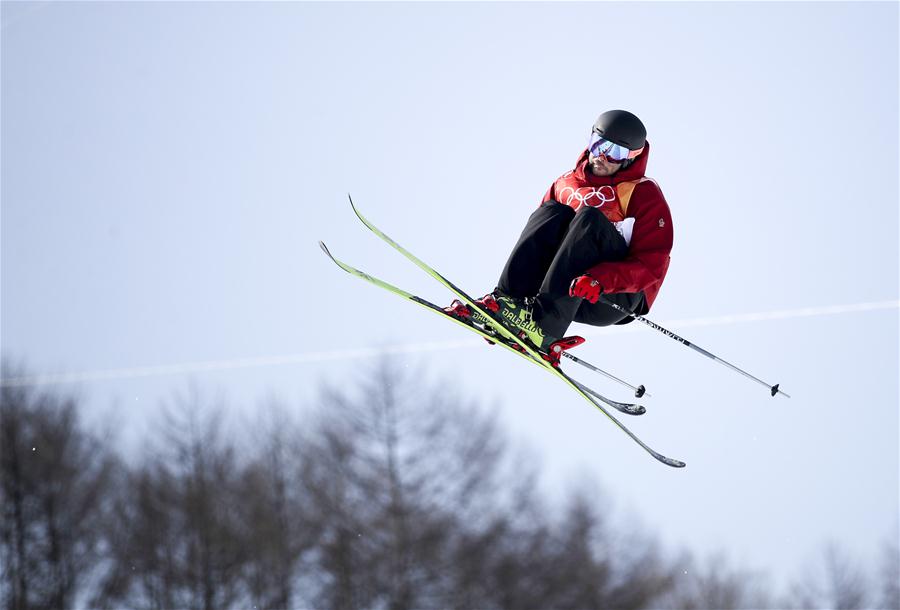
(603, 228)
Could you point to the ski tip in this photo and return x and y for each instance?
(669, 461)
(329, 254)
(356, 210)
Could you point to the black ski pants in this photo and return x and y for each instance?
(556, 246)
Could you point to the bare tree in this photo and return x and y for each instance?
(177, 539)
(424, 506)
(714, 583)
(890, 575)
(602, 565)
(570, 561)
(402, 496)
(54, 478)
(394, 475)
(835, 582)
(280, 524)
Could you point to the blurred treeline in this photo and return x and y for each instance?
(388, 494)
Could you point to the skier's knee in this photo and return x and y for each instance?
(593, 218)
(590, 214)
(555, 208)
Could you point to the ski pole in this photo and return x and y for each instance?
(772, 388)
(638, 391)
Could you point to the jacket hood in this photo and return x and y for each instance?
(635, 171)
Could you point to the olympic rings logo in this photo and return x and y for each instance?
(587, 195)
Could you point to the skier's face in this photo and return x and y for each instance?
(601, 166)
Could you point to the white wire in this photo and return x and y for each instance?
(404, 348)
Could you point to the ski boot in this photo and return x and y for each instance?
(516, 315)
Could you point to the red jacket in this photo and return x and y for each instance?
(625, 194)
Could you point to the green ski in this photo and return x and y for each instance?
(486, 333)
(498, 328)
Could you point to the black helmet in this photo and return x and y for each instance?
(622, 128)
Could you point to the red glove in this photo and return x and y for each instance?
(586, 287)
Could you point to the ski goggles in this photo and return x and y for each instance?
(601, 147)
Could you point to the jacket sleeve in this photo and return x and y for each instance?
(651, 243)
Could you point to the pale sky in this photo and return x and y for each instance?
(167, 169)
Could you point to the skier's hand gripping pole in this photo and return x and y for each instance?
(772, 388)
(586, 287)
